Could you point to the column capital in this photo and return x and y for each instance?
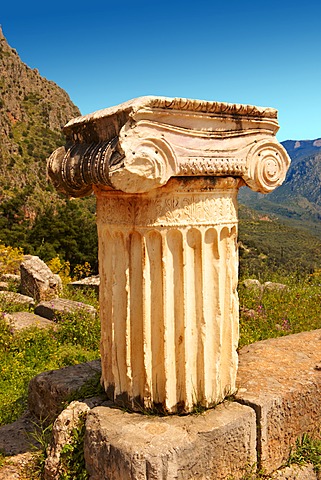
(139, 145)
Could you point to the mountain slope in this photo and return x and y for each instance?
(299, 198)
(33, 215)
(32, 112)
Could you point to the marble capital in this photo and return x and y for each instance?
(166, 174)
(139, 145)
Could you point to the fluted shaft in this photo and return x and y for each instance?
(169, 306)
(166, 173)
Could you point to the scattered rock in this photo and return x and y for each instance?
(90, 283)
(295, 472)
(11, 279)
(48, 391)
(57, 306)
(249, 312)
(62, 434)
(274, 286)
(37, 280)
(4, 286)
(17, 299)
(16, 437)
(252, 284)
(21, 320)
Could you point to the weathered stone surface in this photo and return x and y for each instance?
(168, 256)
(252, 284)
(16, 438)
(4, 286)
(214, 445)
(69, 419)
(21, 320)
(51, 309)
(17, 467)
(146, 141)
(49, 390)
(274, 286)
(280, 379)
(169, 310)
(295, 472)
(11, 278)
(17, 299)
(37, 280)
(92, 282)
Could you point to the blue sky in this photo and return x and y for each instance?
(266, 53)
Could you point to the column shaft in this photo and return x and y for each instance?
(169, 307)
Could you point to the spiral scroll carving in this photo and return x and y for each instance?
(149, 163)
(76, 168)
(267, 163)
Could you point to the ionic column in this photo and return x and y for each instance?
(169, 321)
(166, 174)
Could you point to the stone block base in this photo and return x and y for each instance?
(49, 391)
(280, 379)
(129, 446)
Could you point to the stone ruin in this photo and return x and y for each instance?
(166, 174)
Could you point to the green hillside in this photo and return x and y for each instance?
(33, 215)
(271, 247)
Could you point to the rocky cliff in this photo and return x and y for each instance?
(32, 112)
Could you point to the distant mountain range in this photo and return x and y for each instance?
(299, 198)
(33, 111)
(33, 215)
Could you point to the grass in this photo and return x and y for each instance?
(277, 313)
(307, 450)
(24, 354)
(75, 339)
(72, 455)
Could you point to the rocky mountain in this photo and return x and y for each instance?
(299, 198)
(32, 112)
(33, 215)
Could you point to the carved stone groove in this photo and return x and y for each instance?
(166, 174)
(141, 144)
(169, 322)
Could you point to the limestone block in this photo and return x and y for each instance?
(16, 438)
(252, 284)
(280, 378)
(17, 299)
(71, 418)
(213, 445)
(48, 391)
(4, 286)
(166, 173)
(21, 320)
(55, 307)
(11, 278)
(140, 144)
(37, 280)
(273, 286)
(89, 283)
(295, 472)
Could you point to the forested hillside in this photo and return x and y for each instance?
(299, 198)
(33, 216)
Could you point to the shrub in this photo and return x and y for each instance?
(10, 259)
